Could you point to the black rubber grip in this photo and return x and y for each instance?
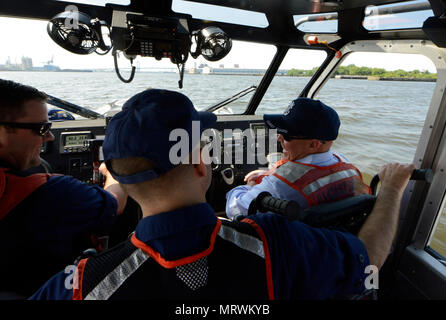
(265, 202)
(422, 174)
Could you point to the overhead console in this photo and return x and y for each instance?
(136, 34)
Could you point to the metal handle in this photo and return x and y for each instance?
(418, 174)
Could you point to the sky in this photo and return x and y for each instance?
(22, 37)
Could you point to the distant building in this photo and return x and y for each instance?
(238, 71)
(50, 67)
(27, 63)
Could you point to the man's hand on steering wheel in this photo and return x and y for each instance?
(251, 178)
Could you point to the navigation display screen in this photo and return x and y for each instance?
(76, 140)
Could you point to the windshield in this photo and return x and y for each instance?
(90, 80)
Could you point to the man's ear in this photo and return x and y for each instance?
(315, 144)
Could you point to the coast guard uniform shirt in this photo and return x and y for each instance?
(65, 206)
(45, 224)
(306, 263)
(239, 198)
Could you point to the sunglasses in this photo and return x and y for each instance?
(39, 128)
(288, 137)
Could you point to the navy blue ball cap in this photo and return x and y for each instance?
(306, 118)
(143, 127)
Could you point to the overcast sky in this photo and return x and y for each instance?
(20, 37)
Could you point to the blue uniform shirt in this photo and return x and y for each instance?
(307, 263)
(64, 207)
(239, 198)
(52, 224)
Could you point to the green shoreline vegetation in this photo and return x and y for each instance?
(352, 70)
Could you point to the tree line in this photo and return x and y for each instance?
(353, 70)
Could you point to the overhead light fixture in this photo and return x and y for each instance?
(78, 33)
(212, 43)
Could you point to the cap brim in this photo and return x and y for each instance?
(275, 121)
(207, 119)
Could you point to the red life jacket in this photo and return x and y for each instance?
(14, 189)
(321, 184)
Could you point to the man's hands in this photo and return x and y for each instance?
(251, 178)
(112, 186)
(379, 230)
(395, 176)
(103, 169)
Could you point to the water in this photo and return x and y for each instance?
(381, 121)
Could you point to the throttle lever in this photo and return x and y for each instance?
(265, 202)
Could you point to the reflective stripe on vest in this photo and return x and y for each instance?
(242, 240)
(14, 189)
(322, 184)
(116, 278)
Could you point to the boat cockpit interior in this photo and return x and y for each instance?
(176, 32)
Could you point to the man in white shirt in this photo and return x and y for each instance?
(310, 173)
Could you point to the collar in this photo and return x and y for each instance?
(4, 164)
(178, 233)
(319, 159)
(172, 222)
(12, 170)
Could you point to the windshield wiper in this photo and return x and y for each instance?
(229, 100)
(73, 108)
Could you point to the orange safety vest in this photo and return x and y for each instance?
(14, 189)
(321, 184)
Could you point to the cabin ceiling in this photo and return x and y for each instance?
(46, 8)
(281, 28)
(296, 7)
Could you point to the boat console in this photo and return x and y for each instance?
(159, 30)
(243, 147)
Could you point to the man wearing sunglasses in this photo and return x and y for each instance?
(310, 173)
(43, 217)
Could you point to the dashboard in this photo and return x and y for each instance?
(239, 144)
